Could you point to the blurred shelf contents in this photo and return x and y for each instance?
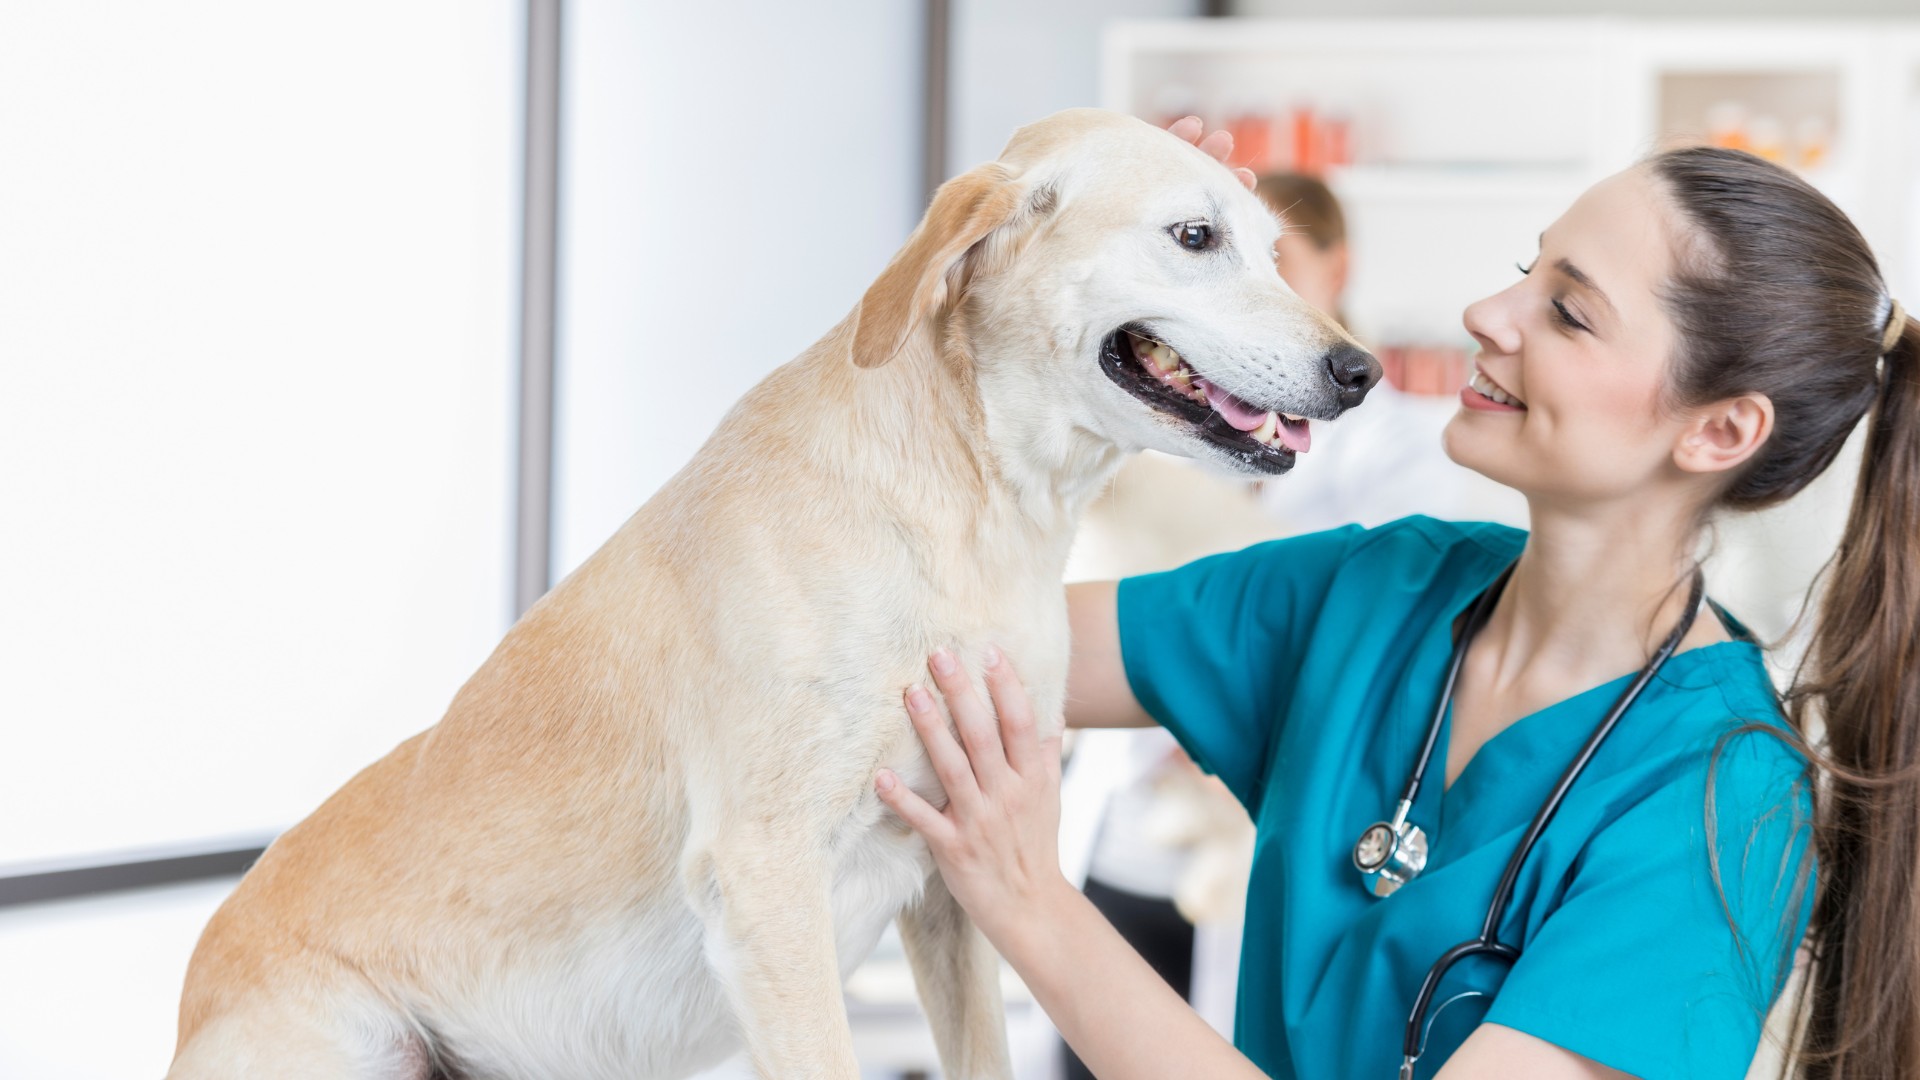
(1787, 117)
(1453, 142)
(1424, 369)
(1302, 138)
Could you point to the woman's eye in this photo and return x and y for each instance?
(1523, 269)
(1194, 235)
(1566, 318)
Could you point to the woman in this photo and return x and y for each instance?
(1699, 332)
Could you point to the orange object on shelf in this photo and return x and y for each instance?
(1426, 370)
(1252, 141)
(1304, 137)
(1338, 142)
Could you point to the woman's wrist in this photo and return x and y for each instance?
(1027, 934)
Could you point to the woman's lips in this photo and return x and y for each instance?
(1479, 402)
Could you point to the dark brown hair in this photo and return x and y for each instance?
(1307, 205)
(1777, 293)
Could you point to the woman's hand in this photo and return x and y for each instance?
(1217, 145)
(997, 847)
(997, 841)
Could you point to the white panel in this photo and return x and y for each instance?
(732, 178)
(256, 322)
(1015, 61)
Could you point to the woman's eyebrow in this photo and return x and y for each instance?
(1581, 279)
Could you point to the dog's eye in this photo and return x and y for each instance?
(1193, 235)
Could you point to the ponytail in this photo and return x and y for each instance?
(1861, 680)
(1776, 292)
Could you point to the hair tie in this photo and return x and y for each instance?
(1896, 326)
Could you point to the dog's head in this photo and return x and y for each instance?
(1116, 280)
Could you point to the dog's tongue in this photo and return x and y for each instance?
(1238, 413)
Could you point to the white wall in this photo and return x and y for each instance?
(1015, 61)
(256, 285)
(732, 177)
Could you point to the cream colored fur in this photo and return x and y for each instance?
(644, 833)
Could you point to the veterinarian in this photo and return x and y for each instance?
(1697, 334)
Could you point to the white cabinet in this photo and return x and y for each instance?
(1469, 136)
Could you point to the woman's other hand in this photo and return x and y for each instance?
(1217, 145)
(997, 841)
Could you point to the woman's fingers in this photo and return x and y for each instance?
(977, 728)
(949, 761)
(1010, 702)
(1219, 145)
(917, 812)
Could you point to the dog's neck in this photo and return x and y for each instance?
(959, 434)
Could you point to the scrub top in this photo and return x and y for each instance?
(1654, 930)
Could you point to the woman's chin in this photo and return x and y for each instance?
(1476, 449)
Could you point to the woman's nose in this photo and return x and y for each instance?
(1491, 323)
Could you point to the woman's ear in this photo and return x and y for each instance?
(964, 211)
(1725, 434)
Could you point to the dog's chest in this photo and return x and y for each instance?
(878, 870)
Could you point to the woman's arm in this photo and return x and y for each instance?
(995, 844)
(1098, 695)
(1496, 1051)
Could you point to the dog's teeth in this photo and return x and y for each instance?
(1165, 359)
(1265, 433)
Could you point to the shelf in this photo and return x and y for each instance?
(1458, 183)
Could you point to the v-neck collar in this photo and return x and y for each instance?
(1530, 738)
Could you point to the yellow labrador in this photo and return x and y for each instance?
(645, 831)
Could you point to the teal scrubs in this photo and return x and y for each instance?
(1655, 930)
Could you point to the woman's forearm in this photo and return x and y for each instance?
(1098, 695)
(1119, 1016)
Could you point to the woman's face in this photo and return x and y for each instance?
(1580, 346)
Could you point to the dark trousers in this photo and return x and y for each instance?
(1156, 931)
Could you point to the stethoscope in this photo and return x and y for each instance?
(1391, 853)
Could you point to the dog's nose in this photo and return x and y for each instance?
(1354, 371)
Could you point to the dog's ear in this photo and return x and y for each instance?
(964, 211)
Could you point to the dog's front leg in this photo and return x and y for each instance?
(770, 936)
(958, 975)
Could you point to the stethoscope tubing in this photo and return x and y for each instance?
(1488, 942)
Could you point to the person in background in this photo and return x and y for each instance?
(1312, 253)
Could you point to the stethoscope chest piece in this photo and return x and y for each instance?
(1390, 853)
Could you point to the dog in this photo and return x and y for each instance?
(645, 832)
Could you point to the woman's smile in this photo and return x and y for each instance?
(1485, 395)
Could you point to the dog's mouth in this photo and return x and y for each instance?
(1153, 372)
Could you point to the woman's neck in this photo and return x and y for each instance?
(1594, 594)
